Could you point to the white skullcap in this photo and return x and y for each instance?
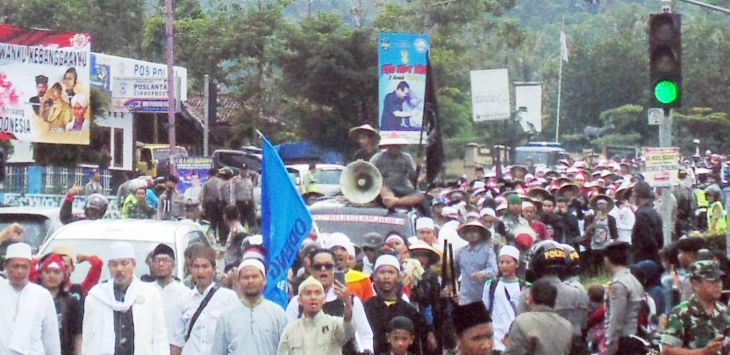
(487, 212)
(253, 262)
(478, 185)
(450, 212)
(18, 251)
(472, 214)
(424, 223)
(338, 239)
(121, 250)
(527, 204)
(387, 260)
(79, 99)
(310, 281)
(510, 251)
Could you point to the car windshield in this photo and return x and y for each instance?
(545, 158)
(34, 227)
(356, 226)
(328, 177)
(100, 248)
(236, 159)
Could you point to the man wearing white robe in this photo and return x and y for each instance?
(28, 322)
(108, 327)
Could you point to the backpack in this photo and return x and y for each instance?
(493, 289)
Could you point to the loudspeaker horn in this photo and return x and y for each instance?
(360, 182)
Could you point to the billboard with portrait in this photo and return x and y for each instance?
(402, 66)
(44, 85)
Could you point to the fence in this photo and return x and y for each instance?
(54, 201)
(50, 180)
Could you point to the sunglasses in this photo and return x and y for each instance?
(323, 266)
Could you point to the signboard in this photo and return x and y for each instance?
(661, 166)
(44, 85)
(528, 101)
(656, 116)
(136, 85)
(403, 66)
(490, 95)
(193, 171)
(130, 94)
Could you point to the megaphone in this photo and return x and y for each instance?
(360, 182)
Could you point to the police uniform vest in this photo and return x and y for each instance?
(701, 197)
(721, 225)
(337, 308)
(635, 293)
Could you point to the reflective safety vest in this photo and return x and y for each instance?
(721, 225)
(701, 197)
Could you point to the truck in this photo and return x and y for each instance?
(539, 153)
(154, 159)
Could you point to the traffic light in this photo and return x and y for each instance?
(665, 59)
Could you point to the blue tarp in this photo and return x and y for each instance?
(305, 151)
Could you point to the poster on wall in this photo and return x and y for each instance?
(402, 66)
(44, 85)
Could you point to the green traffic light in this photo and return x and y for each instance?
(666, 91)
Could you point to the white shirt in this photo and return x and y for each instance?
(28, 321)
(625, 223)
(504, 309)
(201, 338)
(363, 332)
(172, 295)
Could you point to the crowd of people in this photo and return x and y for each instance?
(514, 260)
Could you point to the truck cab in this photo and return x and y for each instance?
(539, 153)
(154, 159)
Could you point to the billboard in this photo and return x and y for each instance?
(402, 66)
(136, 85)
(528, 101)
(490, 95)
(44, 85)
(193, 171)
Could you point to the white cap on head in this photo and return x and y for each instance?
(79, 99)
(18, 251)
(256, 263)
(487, 212)
(527, 204)
(121, 250)
(338, 239)
(450, 212)
(387, 260)
(510, 251)
(424, 223)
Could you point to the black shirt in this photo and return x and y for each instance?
(123, 326)
(70, 313)
(379, 314)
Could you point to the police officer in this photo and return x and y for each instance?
(546, 260)
(94, 207)
(571, 276)
(625, 296)
(701, 322)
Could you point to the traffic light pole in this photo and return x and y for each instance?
(665, 140)
(708, 6)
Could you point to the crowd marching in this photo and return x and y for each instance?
(514, 260)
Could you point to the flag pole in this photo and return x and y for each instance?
(563, 56)
(560, 86)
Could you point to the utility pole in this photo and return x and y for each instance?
(170, 83)
(206, 112)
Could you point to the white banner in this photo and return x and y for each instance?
(528, 102)
(136, 85)
(490, 95)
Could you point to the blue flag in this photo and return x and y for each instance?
(286, 221)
